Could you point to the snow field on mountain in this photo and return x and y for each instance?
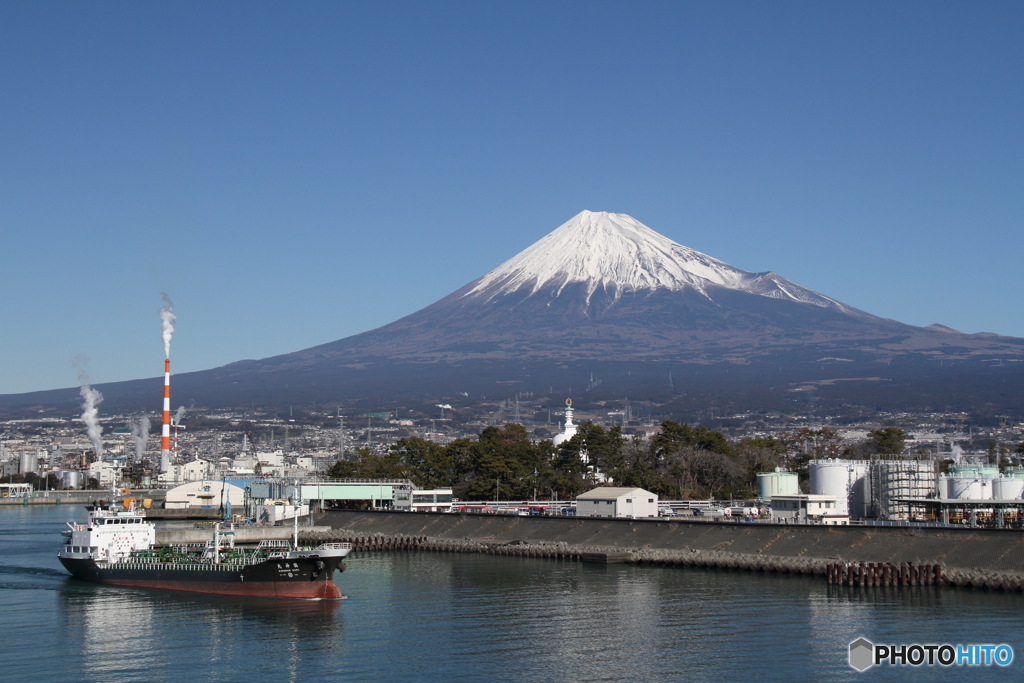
(616, 253)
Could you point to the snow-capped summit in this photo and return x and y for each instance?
(615, 253)
(604, 293)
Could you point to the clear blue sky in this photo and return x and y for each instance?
(294, 173)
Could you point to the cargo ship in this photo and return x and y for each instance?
(117, 547)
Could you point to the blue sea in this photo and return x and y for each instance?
(422, 616)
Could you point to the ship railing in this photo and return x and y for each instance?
(147, 563)
(335, 546)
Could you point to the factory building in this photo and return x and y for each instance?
(905, 490)
(877, 488)
(609, 501)
(206, 494)
(804, 507)
(424, 500)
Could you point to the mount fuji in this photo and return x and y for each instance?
(607, 305)
(604, 286)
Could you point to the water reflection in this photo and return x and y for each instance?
(430, 616)
(133, 634)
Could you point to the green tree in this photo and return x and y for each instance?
(769, 443)
(368, 465)
(674, 436)
(428, 464)
(602, 449)
(502, 464)
(888, 441)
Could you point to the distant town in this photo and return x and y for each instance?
(534, 457)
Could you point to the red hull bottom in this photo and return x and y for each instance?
(309, 590)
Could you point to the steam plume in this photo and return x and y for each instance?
(140, 436)
(178, 414)
(90, 415)
(167, 319)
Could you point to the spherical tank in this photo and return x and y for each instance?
(1007, 488)
(832, 478)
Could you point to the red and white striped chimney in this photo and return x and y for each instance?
(165, 434)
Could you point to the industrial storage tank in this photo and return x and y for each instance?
(844, 479)
(777, 483)
(974, 471)
(70, 479)
(893, 482)
(970, 488)
(1008, 488)
(943, 486)
(28, 462)
(1014, 471)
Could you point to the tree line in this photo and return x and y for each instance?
(681, 461)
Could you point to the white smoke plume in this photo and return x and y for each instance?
(140, 436)
(178, 414)
(90, 414)
(167, 319)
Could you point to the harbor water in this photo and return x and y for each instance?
(420, 616)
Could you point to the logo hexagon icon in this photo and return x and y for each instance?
(862, 654)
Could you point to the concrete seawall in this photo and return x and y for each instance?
(243, 534)
(975, 557)
(79, 497)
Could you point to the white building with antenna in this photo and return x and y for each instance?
(569, 430)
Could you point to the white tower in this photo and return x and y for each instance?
(569, 430)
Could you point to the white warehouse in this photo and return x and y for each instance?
(609, 501)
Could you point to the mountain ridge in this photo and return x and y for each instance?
(604, 290)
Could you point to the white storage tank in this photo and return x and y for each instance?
(970, 488)
(1008, 488)
(975, 471)
(1014, 471)
(838, 478)
(777, 483)
(860, 490)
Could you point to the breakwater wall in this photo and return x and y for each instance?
(983, 558)
(52, 500)
(243, 534)
(77, 497)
